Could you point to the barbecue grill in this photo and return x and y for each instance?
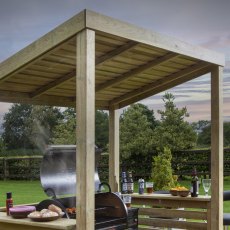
(58, 179)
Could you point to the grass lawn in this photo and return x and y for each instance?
(25, 192)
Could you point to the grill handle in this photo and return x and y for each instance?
(105, 184)
(50, 192)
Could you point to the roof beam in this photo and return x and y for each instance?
(100, 60)
(53, 84)
(163, 84)
(113, 26)
(18, 97)
(123, 48)
(38, 48)
(138, 70)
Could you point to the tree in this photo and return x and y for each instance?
(25, 125)
(136, 139)
(14, 125)
(65, 131)
(162, 173)
(204, 137)
(226, 133)
(101, 129)
(200, 125)
(174, 132)
(136, 134)
(41, 124)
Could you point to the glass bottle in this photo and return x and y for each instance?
(9, 202)
(194, 184)
(130, 183)
(124, 184)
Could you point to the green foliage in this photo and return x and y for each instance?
(41, 124)
(101, 129)
(14, 125)
(65, 131)
(162, 174)
(27, 126)
(173, 131)
(226, 133)
(136, 133)
(204, 137)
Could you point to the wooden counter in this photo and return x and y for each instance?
(9, 223)
(165, 210)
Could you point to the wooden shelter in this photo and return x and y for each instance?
(93, 61)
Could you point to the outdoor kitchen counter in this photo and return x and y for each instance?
(158, 196)
(165, 210)
(9, 223)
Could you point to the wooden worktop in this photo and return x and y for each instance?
(9, 223)
(170, 197)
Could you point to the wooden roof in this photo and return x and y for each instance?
(131, 64)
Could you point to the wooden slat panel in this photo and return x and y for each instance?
(52, 84)
(173, 213)
(169, 80)
(156, 222)
(169, 203)
(136, 71)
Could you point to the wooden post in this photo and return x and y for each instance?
(114, 155)
(216, 149)
(6, 168)
(85, 84)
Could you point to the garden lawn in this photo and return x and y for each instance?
(25, 192)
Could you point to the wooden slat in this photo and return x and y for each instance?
(115, 52)
(156, 222)
(162, 84)
(169, 203)
(136, 71)
(173, 213)
(18, 97)
(53, 84)
(217, 148)
(85, 130)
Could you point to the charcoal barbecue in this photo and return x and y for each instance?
(58, 179)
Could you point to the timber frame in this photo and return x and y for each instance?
(94, 61)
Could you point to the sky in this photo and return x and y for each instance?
(200, 22)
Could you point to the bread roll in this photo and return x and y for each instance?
(35, 214)
(55, 208)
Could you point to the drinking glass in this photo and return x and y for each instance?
(206, 185)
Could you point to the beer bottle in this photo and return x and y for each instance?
(124, 184)
(130, 183)
(194, 184)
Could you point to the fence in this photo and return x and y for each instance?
(183, 163)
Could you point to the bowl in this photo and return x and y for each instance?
(21, 211)
(184, 193)
(173, 192)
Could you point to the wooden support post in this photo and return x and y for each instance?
(6, 168)
(216, 149)
(114, 155)
(85, 84)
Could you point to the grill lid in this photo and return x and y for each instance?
(58, 170)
